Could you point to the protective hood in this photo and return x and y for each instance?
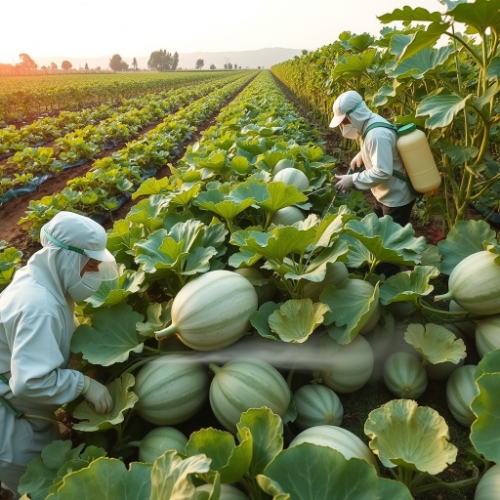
(352, 105)
(58, 269)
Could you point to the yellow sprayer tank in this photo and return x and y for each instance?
(418, 161)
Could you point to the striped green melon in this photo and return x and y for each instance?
(342, 440)
(171, 389)
(405, 376)
(227, 492)
(489, 486)
(488, 335)
(245, 383)
(474, 284)
(287, 216)
(349, 367)
(292, 177)
(282, 164)
(317, 405)
(156, 442)
(336, 274)
(212, 311)
(461, 389)
(266, 292)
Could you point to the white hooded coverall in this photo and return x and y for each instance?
(36, 324)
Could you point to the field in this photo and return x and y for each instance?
(250, 339)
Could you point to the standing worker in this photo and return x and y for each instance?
(379, 155)
(36, 324)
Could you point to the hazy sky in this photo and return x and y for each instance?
(94, 28)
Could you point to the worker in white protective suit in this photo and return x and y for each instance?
(36, 324)
(378, 154)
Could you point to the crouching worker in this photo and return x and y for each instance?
(381, 158)
(36, 324)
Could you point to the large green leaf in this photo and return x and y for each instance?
(390, 426)
(178, 248)
(122, 239)
(408, 285)
(230, 460)
(409, 14)
(424, 61)
(276, 244)
(111, 338)
(493, 69)
(355, 66)
(170, 476)
(458, 154)
(423, 39)
(149, 212)
(123, 400)
(324, 474)
(280, 196)
(266, 429)
(110, 478)
(464, 239)
(489, 97)
(295, 320)
(154, 186)
(486, 406)
(158, 315)
(435, 343)
(216, 202)
(481, 14)
(386, 240)
(260, 319)
(441, 107)
(114, 292)
(361, 42)
(351, 306)
(44, 473)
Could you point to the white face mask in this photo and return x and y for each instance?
(86, 286)
(349, 132)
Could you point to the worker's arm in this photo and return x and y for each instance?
(379, 152)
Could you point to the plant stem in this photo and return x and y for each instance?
(442, 484)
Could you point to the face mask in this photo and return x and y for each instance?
(349, 132)
(85, 287)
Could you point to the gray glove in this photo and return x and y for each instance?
(345, 183)
(97, 394)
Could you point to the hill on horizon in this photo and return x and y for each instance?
(246, 59)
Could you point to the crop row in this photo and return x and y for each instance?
(112, 179)
(451, 90)
(52, 127)
(22, 97)
(36, 164)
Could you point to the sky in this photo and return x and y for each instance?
(95, 28)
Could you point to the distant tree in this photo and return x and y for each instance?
(235, 66)
(175, 61)
(86, 67)
(200, 63)
(124, 66)
(27, 63)
(258, 67)
(53, 65)
(161, 60)
(66, 65)
(225, 66)
(134, 64)
(115, 63)
(98, 68)
(229, 66)
(212, 66)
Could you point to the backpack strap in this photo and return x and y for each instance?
(406, 179)
(379, 124)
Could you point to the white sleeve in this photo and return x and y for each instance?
(36, 362)
(379, 151)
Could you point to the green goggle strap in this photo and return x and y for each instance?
(349, 111)
(60, 244)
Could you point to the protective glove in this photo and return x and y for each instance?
(345, 183)
(357, 161)
(97, 394)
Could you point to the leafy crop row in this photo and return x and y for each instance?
(119, 175)
(452, 90)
